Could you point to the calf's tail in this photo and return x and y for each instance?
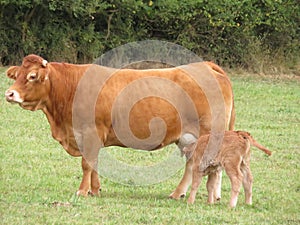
(257, 145)
(254, 143)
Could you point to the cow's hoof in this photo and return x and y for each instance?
(176, 196)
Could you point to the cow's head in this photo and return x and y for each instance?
(31, 85)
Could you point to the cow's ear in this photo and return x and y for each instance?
(44, 71)
(12, 72)
(43, 74)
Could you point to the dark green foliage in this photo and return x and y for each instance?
(253, 34)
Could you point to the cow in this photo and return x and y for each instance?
(234, 157)
(91, 106)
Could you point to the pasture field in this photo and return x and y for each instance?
(38, 178)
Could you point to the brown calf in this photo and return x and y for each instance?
(234, 157)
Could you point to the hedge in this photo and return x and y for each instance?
(258, 35)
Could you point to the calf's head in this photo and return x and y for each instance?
(31, 85)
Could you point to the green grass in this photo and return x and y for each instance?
(38, 178)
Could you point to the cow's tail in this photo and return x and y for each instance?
(232, 117)
(219, 70)
(253, 142)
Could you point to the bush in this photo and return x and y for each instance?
(258, 35)
(58, 30)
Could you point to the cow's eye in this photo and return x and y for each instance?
(31, 76)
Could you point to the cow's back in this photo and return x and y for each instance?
(136, 97)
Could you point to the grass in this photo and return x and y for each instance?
(38, 178)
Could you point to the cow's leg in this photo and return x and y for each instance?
(95, 183)
(181, 189)
(186, 180)
(90, 183)
(211, 186)
(196, 181)
(86, 178)
(90, 151)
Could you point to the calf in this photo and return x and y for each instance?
(233, 156)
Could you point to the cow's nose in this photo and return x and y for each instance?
(9, 94)
(13, 96)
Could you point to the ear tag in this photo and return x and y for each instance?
(44, 63)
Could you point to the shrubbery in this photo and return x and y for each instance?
(259, 35)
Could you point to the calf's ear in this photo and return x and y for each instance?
(188, 150)
(12, 72)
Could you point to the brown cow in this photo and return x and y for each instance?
(91, 106)
(234, 157)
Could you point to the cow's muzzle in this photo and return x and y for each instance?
(13, 96)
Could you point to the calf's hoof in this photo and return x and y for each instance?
(210, 202)
(82, 193)
(191, 201)
(232, 206)
(94, 193)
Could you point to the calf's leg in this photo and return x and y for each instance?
(211, 186)
(247, 184)
(217, 190)
(236, 178)
(196, 181)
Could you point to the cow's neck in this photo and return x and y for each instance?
(63, 82)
